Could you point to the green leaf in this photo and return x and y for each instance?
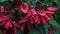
(5, 3)
(53, 22)
(33, 31)
(0, 32)
(55, 30)
(19, 31)
(32, 2)
(2, 0)
(58, 3)
(48, 2)
(40, 28)
(26, 1)
(46, 28)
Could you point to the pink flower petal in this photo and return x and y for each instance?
(24, 8)
(52, 8)
(2, 23)
(33, 11)
(32, 20)
(42, 13)
(38, 22)
(8, 24)
(47, 17)
(49, 12)
(43, 20)
(36, 18)
(29, 13)
(2, 18)
(23, 19)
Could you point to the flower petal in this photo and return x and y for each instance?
(24, 8)
(49, 12)
(43, 20)
(47, 17)
(33, 11)
(29, 13)
(42, 13)
(8, 24)
(31, 20)
(38, 22)
(2, 18)
(52, 8)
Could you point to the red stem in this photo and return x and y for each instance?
(50, 30)
(26, 29)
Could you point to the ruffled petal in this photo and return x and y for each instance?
(8, 24)
(43, 20)
(42, 13)
(49, 12)
(24, 8)
(33, 11)
(2, 18)
(47, 17)
(52, 8)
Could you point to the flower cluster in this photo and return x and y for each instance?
(35, 15)
(5, 20)
(31, 16)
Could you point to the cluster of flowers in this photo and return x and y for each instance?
(32, 16)
(35, 15)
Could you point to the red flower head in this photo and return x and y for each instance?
(24, 7)
(44, 15)
(40, 16)
(5, 21)
(8, 24)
